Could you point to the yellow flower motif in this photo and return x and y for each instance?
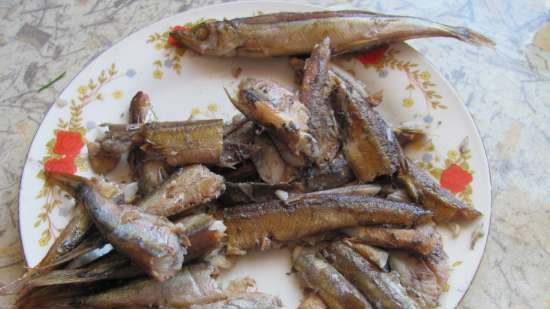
(118, 94)
(408, 102)
(425, 75)
(82, 90)
(157, 74)
(212, 107)
(195, 111)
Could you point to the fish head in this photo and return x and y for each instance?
(214, 38)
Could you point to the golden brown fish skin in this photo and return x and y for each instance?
(445, 205)
(284, 34)
(186, 188)
(255, 225)
(417, 278)
(370, 146)
(332, 287)
(422, 239)
(235, 153)
(270, 165)
(383, 290)
(315, 95)
(280, 112)
(186, 142)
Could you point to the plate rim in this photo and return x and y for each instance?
(463, 106)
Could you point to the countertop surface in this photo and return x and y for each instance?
(506, 90)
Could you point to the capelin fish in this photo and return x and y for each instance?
(417, 278)
(383, 290)
(184, 189)
(270, 165)
(70, 237)
(277, 109)
(192, 285)
(333, 175)
(101, 161)
(284, 34)
(426, 191)
(258, 225)
(148, 240)
(198, 229)
(422, 239)
(245, 300)
(315, 95)
(370, 146)
(186, 142)
(335, 290)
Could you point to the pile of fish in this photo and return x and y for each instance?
(319, 172)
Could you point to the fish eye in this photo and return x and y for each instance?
(201, 33)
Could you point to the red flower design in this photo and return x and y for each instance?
(455, 178)
(171, 41)
(63, 165)
(373, 56)
(68, 143)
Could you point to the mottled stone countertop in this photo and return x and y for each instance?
(507, 92)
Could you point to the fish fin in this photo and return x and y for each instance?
(470, 36)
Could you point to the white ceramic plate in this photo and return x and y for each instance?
(182, 86)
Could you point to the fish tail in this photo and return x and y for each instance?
(469, 36)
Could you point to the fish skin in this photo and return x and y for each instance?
(315, 95)
(335, 290)
(422, 239)
(148, 240)
(184, 189)
(445, 205)
(370, 146)
(245, 300)
(185, 142)
(235, 153)
(417, 278)
(283, 34)
(383, 290)
(279, 111)
(254, 225)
